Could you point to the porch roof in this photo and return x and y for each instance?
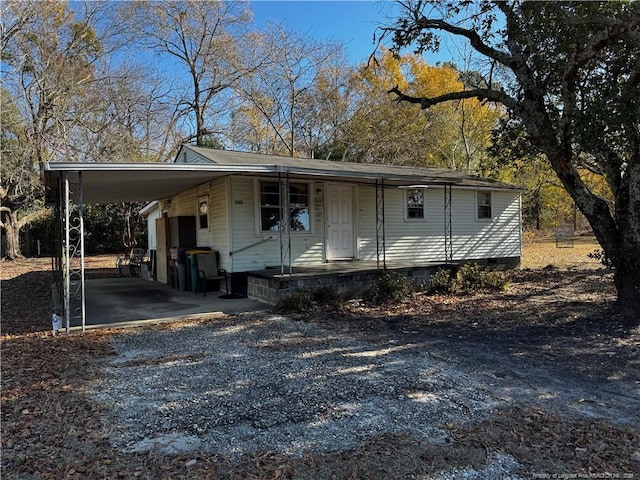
(120, 182)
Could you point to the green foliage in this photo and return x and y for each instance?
(303, 301)
(388, 288)
(472, 277)
(297, 302)
(602, 257)
(327, 297)
(467, 279)
(104, 226)
(441, 282)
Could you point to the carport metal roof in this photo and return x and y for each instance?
(134, 182)
(121, 182)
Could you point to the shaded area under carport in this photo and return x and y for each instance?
(127, 301)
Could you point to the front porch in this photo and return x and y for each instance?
(349, 278)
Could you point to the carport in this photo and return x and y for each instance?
(73, 185)
(126, 301)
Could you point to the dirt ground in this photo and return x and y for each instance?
(552, 349)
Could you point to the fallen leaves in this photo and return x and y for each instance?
(52, 427)
(546, 442)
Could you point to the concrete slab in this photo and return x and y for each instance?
(124, 301)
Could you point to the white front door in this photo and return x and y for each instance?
(340, 225)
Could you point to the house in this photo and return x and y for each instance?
(286, 214)
(280, 223)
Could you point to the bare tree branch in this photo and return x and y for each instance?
(479, 93)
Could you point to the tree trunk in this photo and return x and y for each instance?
(12, 231)
(627, 274)
(627, 281)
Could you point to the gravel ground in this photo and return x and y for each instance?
(261, 382)
(255, 383)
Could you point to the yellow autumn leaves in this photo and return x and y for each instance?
(453, 134)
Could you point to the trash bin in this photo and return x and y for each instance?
(192, 261)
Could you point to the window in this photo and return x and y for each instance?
(298, 207)
(483, 203)
(203, 211)
(415, 204)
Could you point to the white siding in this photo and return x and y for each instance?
(219, 220)
(423, 240)
(406, 240)
(216, 236)
(306, 248)
(186, 203)
(189, 156)
(475, 239)
(232, 226)
(151, 228)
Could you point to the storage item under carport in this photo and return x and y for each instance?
(192, 265)
(180, 277)
(208, 270)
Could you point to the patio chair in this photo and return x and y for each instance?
(208, 270)
(131, 263)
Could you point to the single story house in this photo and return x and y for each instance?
(275, 220)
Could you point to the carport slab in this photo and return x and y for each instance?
(125, 301)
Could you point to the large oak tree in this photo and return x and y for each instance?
(570, 74)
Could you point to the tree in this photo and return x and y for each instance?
(570, 78)
(43, 74)
(207, 38)
(278, 97)
(128, 117)
(454, 135)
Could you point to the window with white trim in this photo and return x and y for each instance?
(483, 205)
(298, 206)
(414, 204)
(203, 211)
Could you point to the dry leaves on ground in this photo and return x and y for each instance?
(51, 427)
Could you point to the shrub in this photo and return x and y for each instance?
(297, 302)
(327, 297)
(468, 278)
(303, 301)
(472, 277)
(440, 282)
(388, 288)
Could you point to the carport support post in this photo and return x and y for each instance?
(381, 248)
(81, 220)
(67, 254)
(448, 227)
(73, 250)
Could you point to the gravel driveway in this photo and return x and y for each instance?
(238, 385)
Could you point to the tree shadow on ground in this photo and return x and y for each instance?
(27, 303)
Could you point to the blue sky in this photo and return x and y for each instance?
(353, 23)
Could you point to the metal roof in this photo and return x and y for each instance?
(119, 182)
(366, 171)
